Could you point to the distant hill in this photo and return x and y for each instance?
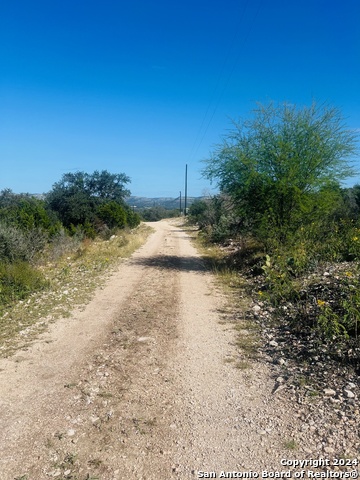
(145, 202)
(165, 202)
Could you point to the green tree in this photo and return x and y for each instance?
(107, 186)
(77, 196)
(280, 165)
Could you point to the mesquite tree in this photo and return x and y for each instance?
(283, 166)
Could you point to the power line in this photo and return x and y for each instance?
(217, 85)
(197, 143)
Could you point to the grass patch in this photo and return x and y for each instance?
(243, 365)
(229, 360)
(70, 282)
(105, 395)
(248, 339)
(17, 281)
(290, 444)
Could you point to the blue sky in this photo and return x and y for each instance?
(146, 87)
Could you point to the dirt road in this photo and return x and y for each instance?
(137, 386)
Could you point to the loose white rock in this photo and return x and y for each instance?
(329, 392)
(349, 393)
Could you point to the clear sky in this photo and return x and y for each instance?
(145, 87)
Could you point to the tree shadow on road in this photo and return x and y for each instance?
(174, 262)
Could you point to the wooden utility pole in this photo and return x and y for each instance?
(185, 212)
(180, 202)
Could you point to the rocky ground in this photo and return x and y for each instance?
(319, 375)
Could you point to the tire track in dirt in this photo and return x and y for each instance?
(85, 399)
(136, 385)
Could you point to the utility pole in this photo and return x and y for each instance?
(185, 212)
(180, 202)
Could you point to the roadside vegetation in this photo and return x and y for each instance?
(156, 213)
(54, 249)
(288, 229)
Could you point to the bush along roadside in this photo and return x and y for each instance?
(279, 174)
(305, 331)
(54, 247)
(64, 278)
(79, 207)
(310, 338)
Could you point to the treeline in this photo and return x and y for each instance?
(79, 206)
(282, 202)
(154, 214)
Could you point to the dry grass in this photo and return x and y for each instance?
(235, 288)
(72, 279)
(248, 339)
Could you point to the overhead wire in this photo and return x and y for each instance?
(198, 143)
(217, 85)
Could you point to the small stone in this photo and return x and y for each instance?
(145, 339)
(273, 343)
(329, 392)
(349, 394)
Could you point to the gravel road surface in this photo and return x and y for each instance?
(137, 384)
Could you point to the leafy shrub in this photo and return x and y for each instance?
(15, 244)
(133, 219)
(339, 306)
(216, 217)
(198, 212)
(26, 212)
(36, 240)
(62, 243)
(113, 214)
(88, 230)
